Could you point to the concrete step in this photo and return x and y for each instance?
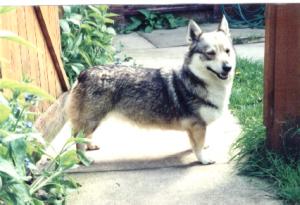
(177, 37)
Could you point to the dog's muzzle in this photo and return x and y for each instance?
(223, 75)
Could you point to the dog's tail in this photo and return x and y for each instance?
(51, 121)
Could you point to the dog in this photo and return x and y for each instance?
(186, 99)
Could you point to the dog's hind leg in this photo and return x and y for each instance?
(89, 130)
(87, 126)
(197, 138)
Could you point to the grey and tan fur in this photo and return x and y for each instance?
(186, 99)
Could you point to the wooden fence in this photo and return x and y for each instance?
(40, 26)
(282, 70)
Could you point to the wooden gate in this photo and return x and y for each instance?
(40, 26)
(282, 69)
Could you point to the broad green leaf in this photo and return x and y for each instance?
(85, 57)
(111, 15)
(153, 16)
(67, 9)
(152, 22)
(97, 17)
(83, 158)
(3, 151)
(64, 26)
(8, 35)
(97, 43)
(8, 168)
(12, 136)
(5, 112)
(91, 23)
(96, 10)
(148, 29)
(86, 27)
(70, 184)
(12, 198)
(18, 152)
(37, 202)
(68, 159)
(20, 191)
(135, 23)
(75, 19)
(102, 7)
(77, 41)
(145, 12)
(4, 133)
(4, 9)
(81, 140)
(77, 67)
(111, 31)
(24, 87)
(108, 20)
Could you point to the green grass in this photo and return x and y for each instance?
(252, 156)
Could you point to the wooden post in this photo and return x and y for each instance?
(282, 69)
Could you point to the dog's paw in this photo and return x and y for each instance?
(43, 162)
(204, 159)
(92, 147)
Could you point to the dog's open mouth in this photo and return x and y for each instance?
(222, 76)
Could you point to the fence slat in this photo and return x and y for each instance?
(55, 57)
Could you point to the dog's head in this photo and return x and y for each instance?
(211, 54)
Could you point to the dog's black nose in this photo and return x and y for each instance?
(226, 68)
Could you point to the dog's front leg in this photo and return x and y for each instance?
(197, 138)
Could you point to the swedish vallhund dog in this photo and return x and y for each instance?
(186, 99)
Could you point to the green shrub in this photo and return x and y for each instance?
(86, 38)
(253, 157)
(21, 147)
(149, 20)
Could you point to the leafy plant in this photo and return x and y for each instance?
(150, 20)
(86, 37)
(22, 182)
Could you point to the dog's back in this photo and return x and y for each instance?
(146, 96)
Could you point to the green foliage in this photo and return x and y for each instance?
(8, 35)
(253, 158)
(150, 20)
(5, 9)
(25, 87)
(86, 36)
(22, 182)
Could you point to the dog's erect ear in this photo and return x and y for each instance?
(193, 32)
(224, 26)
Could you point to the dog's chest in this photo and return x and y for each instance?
(218, 96)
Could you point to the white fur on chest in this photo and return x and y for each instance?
(219, 96)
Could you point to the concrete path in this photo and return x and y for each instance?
(150, 166)
(176, 37)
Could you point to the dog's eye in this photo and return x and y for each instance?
(211, 53)
(227, 50)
